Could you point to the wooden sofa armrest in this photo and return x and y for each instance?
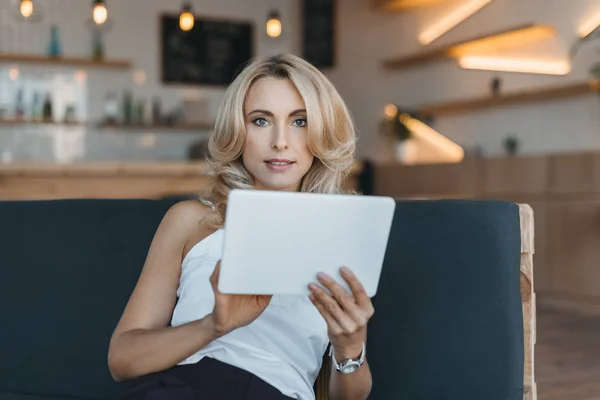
(528, 299)
(322, 383)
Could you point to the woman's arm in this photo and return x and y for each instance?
(356, 385)
(347, 317)
(142, 342)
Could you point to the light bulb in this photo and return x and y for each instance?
(100, 13)
(80, 76)
(186, 18)
(274, 28)
(186, 21)
(390, 111)
(13, 74)
(139, 77)
(273, 25)
(26, 8)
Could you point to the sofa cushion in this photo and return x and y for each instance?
(448, 321)
(68, 268)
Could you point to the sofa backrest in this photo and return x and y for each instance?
(448, 321)
(67, 268)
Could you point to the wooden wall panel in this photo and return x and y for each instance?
(596, 183)
(564, 193)
(437, 180)
(514, 176)
(573, 243)
(571, 174)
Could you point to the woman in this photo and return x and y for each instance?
(281, 126)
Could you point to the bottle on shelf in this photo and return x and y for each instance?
(97, 45)
(47, 109)
(128, 108)
(37, 107)
(20, 106)
(54, 47)
(140, 109)
(156, 112)
(111, 109)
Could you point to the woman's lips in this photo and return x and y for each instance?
(279, 164)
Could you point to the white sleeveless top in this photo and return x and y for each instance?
(284, 346)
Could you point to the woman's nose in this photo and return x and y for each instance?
(280, 140)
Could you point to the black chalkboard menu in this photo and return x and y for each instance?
(213, 52)
(318, 32)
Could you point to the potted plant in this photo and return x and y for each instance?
(393, 126)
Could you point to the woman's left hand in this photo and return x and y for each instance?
(346, 315)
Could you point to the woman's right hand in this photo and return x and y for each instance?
(232, 311)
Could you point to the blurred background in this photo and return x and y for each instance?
(473, 99)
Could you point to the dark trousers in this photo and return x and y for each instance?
(208, 379)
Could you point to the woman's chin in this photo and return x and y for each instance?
(278, 185)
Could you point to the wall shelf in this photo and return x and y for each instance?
(489, 43)
(517, 97)
(174, 127)
(17, 122)
(402, 5)
(63, 61)
(119, 127)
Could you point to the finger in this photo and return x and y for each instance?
(360, 295)
(332, 324)
(332, 306)
(344, 299)
(338, 292)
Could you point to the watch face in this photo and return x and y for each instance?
(349, 368)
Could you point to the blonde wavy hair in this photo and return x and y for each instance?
(331, 132)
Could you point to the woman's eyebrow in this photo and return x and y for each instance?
(260, 112)
(269, 113)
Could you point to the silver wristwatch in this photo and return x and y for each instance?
(350, 365)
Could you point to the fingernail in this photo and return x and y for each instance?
(323, 276)
(312, 286)
(346, 270)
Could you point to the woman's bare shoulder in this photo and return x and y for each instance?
(187, 215)
(190, 208)
(188, 218)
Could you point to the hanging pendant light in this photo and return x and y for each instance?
(26, 8)
(100, 13)
(186, 18)
(273, 24)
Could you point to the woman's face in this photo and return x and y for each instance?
(276, 151)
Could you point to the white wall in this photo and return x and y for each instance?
(134, 36)
(367, 37)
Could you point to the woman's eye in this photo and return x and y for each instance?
(301, 122)
(260, 121)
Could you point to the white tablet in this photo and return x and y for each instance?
(277, 242)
